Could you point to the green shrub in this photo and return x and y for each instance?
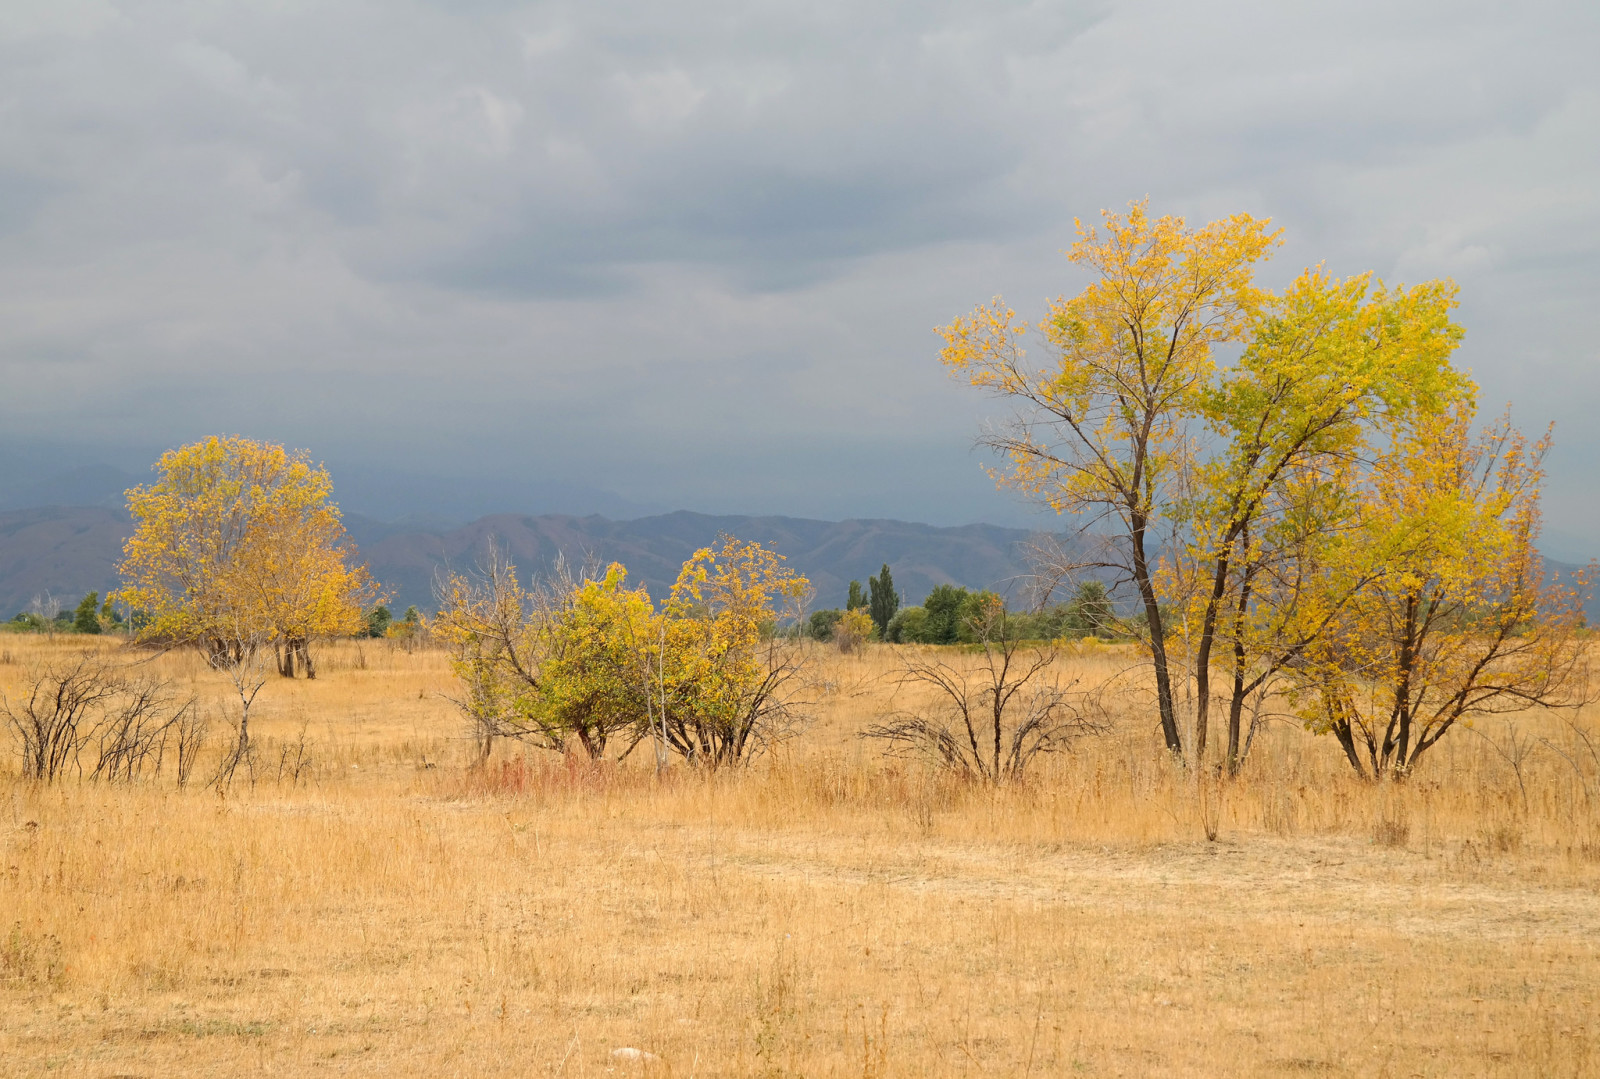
(909, 626)
(821, 623)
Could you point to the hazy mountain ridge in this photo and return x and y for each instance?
(71, 550)
(830, 553)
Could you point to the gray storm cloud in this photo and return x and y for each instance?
(692, 253)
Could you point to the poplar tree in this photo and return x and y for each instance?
(885, 601)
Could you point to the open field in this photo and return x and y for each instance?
(826, 912)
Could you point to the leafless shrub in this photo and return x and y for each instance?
(193, 729)
(246, 668)
(89, 702)
(53, 721)
(993, 718)
(1580, 748)
(44, 610)
(1514, 748)
(294, 758)
(133, 735)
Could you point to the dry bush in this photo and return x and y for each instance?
(994, 714)
(89, 701)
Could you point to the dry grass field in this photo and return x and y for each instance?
(826, 912)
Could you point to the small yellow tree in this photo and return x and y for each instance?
(236, 546)
(562, 662)
(723, 673)
(497, 636)
(853, 630)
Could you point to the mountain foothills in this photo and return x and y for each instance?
(68, 551)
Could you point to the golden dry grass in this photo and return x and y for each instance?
(823, 913)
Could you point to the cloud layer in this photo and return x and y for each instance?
(692, 253)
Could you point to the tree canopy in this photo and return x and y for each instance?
(237, 545)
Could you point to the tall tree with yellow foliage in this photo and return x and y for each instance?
(236, 546)
(1105, 426)
(1329, 365)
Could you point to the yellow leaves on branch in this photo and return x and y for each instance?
(1131, 350)
(237, 541)
(589, 660)
(1460, 618)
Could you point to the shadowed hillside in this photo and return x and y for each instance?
(65, 551)
(830, 553)
(69, 551)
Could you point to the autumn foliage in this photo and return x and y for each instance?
(1315, 523)
(583, 661)
(237, 546)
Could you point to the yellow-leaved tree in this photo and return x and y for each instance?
(1104, 427)
(1316, 515)
(1458, 617)
(1329, 366)
(585, 661)
(236, 546)
(562, 662)
(723, 674)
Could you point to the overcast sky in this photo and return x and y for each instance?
(692, 253)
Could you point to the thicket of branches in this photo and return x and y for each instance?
(89, 718)
(990, 718)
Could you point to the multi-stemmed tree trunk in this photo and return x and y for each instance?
(1105, 428)
(1330, 368)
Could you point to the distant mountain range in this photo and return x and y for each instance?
(830, 553)
(68, 551)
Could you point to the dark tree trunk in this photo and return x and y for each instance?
(1158, 640)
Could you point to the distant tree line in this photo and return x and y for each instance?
(953, 615)
(46, 614)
